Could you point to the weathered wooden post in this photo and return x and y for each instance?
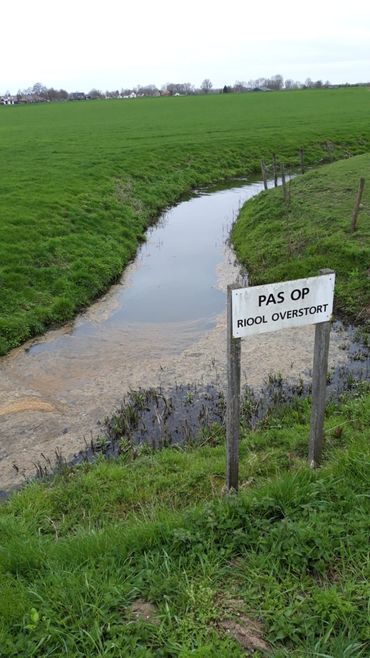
(274, 169)
(264, 174)
(357, 205)
(319, 380)
(289, 189)
(233, 399)
(329, 149)
(283, 181)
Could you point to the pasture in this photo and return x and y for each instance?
(144, 556)
(80, 182)
(281, 240)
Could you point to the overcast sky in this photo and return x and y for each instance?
(110, 44)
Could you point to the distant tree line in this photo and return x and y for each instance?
(41, 94)
(275, 83)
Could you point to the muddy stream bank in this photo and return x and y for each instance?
(162, 325)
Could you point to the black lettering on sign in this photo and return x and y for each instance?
(299, 293)
(271, 299)
(298, 312)
(249, 322)
(260, 319)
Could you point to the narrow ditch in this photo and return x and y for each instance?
(158, 335)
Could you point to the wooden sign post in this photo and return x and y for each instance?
(261, 309)
(319, 376)
(233, 400)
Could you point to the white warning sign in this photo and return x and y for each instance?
(274, 306)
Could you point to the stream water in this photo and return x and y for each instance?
(163, 324)
(174, 277)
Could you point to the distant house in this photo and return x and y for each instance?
(77, 96)
(8, 100)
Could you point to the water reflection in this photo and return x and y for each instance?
(174, 277)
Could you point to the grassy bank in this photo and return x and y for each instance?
(80, 182)
(145, 557)
(280, 240)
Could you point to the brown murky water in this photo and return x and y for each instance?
(163, 324)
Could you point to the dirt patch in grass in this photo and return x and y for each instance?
(247, 633)
(145, 611)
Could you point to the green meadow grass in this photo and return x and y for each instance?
(80, 182)
(280, 240)
(288, 553)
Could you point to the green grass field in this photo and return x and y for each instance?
(79, 182)
(144, 557)
(284, 563)
(278, 240)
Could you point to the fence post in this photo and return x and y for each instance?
(356, 208)
(232, 400)
(329, 149)
(264, 175)
(319, 377)
(283, 181)
(274, 169)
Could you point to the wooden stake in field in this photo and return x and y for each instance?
(283, 181)
(264, 174)
(329, 148)
(357, 205)
(275, 170)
